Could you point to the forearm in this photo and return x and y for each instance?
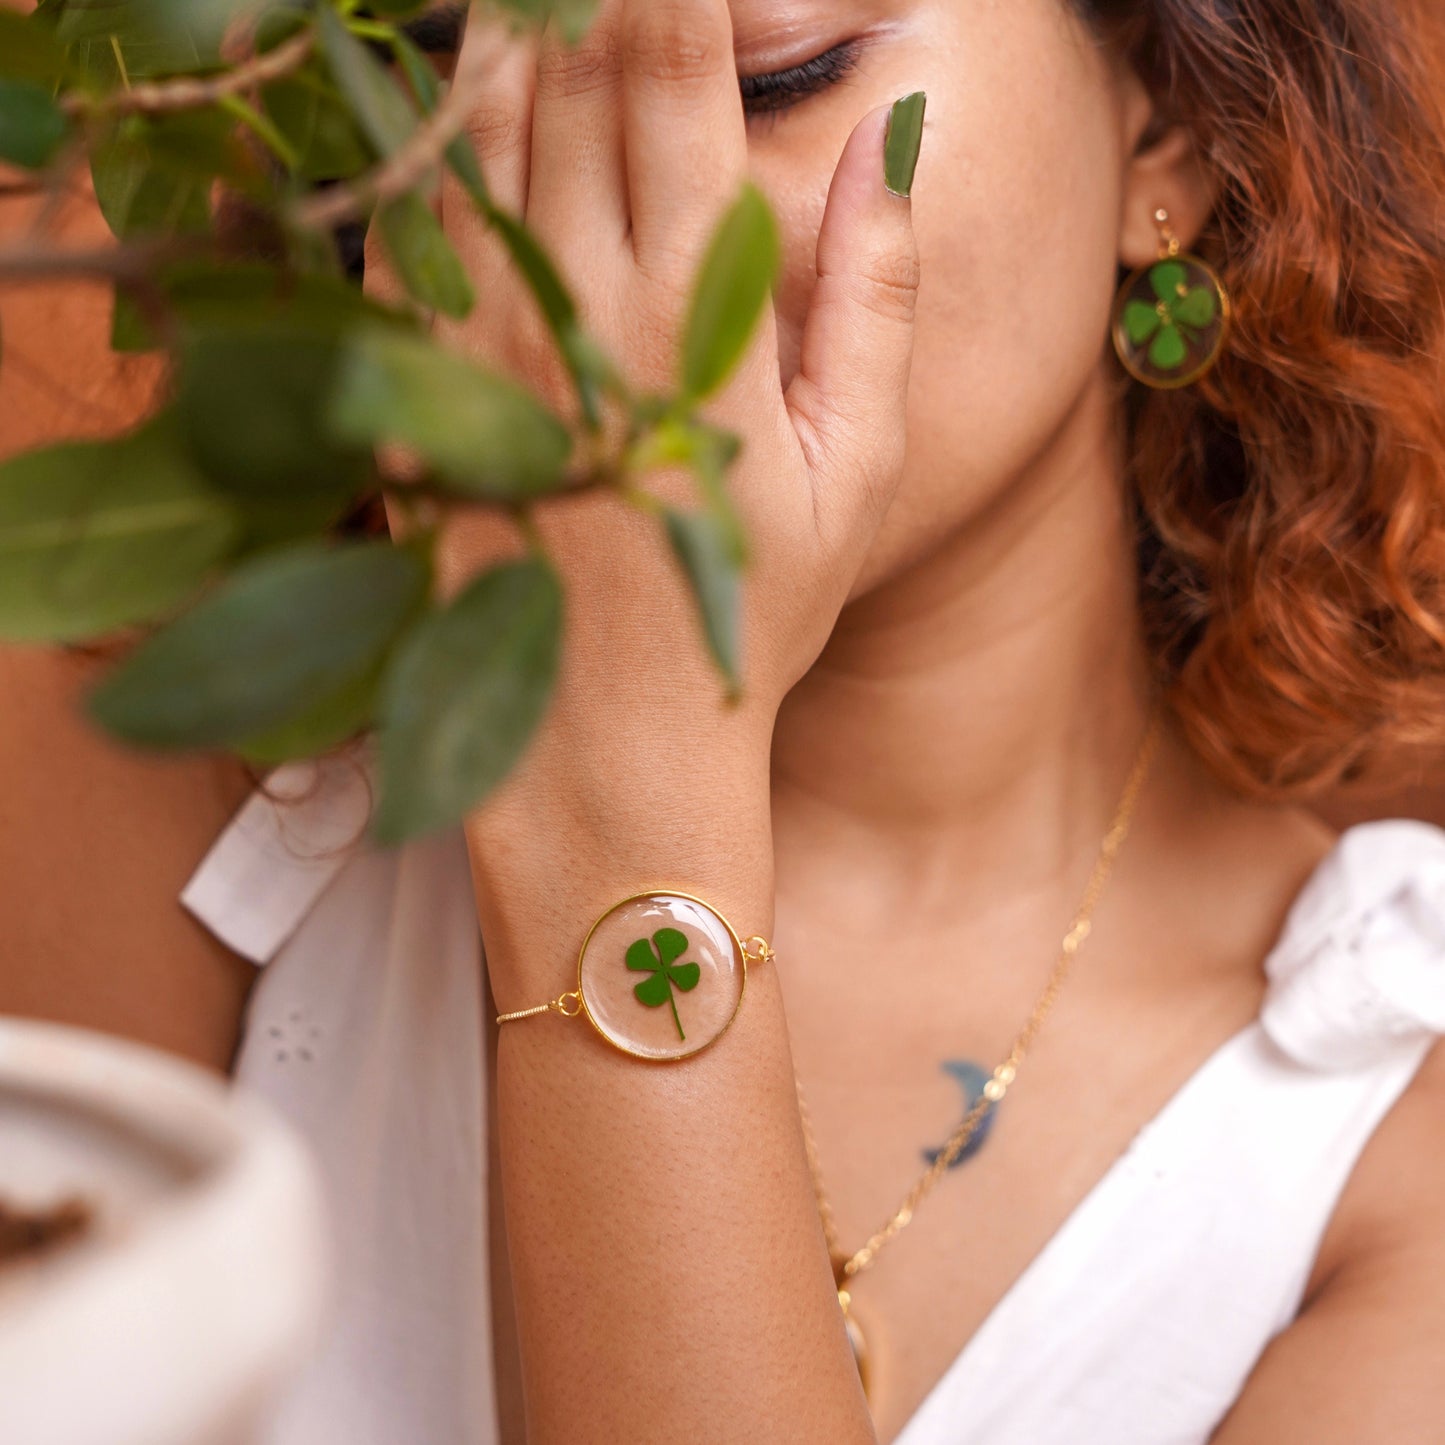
(671, 1278)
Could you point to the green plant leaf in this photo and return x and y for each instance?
(482, 434)
(252, 401)
(464, 695)
(680, 439)
(32, 126)
(29, 49)
(209, 293)
(704, 548)
(99, 535)
(377, 101)
(1141, 321)
(323, 726)
(155, 175)
(1166, 278)
(278, 639)
(593, 371)
(1197, 308)
(1169, 349)
(710, 450)
(278, 521)
(129, 329)
(426, 87)
(424, 258)
(152, 37)
(573, 16)
(259, 345)
(733, 284)
(310, 113)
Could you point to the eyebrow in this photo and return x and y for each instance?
(439, 30)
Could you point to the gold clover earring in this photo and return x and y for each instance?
(1171, 317)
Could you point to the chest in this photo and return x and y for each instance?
(882, 1099)
(878, 1116)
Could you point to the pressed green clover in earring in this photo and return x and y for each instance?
(1171, 317)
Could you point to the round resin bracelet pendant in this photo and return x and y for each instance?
(661, 975)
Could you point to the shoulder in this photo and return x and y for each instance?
(1361, 1360)
(1387, 1221)
(1359, 966)
(95, 838)
(1359, 979)
(1360, 974)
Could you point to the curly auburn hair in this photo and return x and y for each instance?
(1291, 503)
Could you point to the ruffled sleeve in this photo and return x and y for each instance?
(1359, 970)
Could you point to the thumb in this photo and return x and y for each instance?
(848, 398)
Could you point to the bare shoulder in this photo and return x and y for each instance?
(1391, 1206)
(1396, 1188)
(1361, 1360)
(96, 842)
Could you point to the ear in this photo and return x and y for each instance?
(1165, 170)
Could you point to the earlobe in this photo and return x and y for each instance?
(1163, 171)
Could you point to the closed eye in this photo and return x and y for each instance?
(780, 89)
(438, 31)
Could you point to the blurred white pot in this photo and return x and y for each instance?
(198, 1290)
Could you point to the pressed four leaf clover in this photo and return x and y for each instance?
(1175, 320)
(657, 958)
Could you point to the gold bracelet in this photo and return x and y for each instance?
(684, 946)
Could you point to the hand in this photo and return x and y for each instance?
(622, 156)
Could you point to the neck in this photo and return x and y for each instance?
(975, 716)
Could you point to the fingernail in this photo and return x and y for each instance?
(901, 140)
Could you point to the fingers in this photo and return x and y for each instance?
(501, 52)
(848, 399)
(577, 181)
(686, 141)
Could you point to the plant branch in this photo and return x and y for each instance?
(161, 97)
(400, 172)
(133, 263)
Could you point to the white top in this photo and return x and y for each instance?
(1140, 1319)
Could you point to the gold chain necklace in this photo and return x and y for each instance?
(845, 1266)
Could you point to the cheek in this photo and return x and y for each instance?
(1016, 205)
(1019, 239)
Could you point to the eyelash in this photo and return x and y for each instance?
(781, 89)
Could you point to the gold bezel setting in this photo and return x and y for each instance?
(1128, 353)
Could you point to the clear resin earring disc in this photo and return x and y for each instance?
(661, 975)
(1170, 321)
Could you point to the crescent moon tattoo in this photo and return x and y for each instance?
(971, 1079)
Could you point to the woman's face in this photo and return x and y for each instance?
(1017, 201)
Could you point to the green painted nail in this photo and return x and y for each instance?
(901, 141)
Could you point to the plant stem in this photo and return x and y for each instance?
(372, 30)
(190, 93)
(673, 1001)
(421, 152)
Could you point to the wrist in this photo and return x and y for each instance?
(552, 850)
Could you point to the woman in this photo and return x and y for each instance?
(1207, 1208)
